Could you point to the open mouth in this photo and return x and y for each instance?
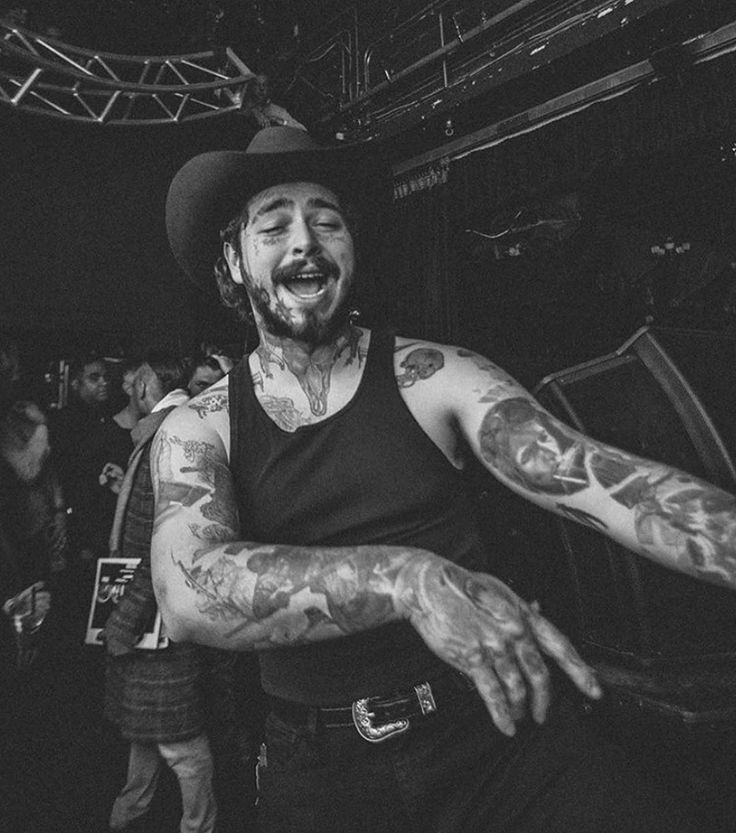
(306, 284)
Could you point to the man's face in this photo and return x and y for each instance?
(128, 381)
(202, 378)
(92, 386)
(298, 261)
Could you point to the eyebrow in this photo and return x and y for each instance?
(274, 205)
(283, 202)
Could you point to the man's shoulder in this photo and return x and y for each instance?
(207, 410)
(410, 351)
(417, 359)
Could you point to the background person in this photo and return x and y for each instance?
(205, 371)
(127, 417)
(154, 696)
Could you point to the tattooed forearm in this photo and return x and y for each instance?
(677, 519)
(264, 596)
(693, 519)
(212, 532)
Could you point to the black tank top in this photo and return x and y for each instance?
(367, 474)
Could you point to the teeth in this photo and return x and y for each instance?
(306, 284)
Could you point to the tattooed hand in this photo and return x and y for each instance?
(477, 624)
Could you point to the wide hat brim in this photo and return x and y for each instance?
(212, 188)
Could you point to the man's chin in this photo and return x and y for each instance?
(314, 328)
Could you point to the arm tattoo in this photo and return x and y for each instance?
(676, 516)
(213, 476)
(486, 366)
(209, 404)
(521, 441)
(503, 385)
(693, 518)
(349, 593)
(421, 363)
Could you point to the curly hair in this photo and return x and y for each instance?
(233, 295)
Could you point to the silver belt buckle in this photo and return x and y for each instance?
(363, 716)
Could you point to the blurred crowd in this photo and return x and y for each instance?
(75, 489)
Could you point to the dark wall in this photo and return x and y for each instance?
(84, 249)
(658, 162)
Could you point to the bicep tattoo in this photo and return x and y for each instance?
(211, 479)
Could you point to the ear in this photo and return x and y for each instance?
(234, 262)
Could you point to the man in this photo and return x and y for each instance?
(154, 696)
(127, 417)
(312, 508)
(87, 446)
(204, 371)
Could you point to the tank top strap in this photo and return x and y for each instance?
(240, 399)
(380, 366)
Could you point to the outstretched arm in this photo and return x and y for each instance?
(654, 509)
(215, 589)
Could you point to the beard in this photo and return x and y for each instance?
(313, 328)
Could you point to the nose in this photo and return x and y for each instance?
(304, 241)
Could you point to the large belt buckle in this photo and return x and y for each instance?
(363, 716)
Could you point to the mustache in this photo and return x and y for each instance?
(319, 263)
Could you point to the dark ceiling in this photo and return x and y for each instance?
(374, 69)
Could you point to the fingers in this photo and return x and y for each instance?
(509, 673)
(506, 679)
(537, 674)
(558, 646)
(493, 696)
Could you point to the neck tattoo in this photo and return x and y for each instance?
(313, 370)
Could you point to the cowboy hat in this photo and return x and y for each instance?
(212, 188)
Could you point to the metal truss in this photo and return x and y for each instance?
(43, 75)
(448, 52)
(699, 50)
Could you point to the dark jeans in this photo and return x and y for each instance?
(455, 773)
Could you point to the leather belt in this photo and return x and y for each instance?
(380, 717)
